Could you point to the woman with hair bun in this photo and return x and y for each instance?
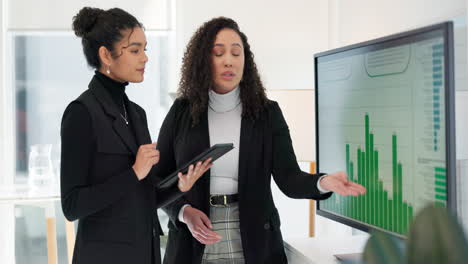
(107, 182)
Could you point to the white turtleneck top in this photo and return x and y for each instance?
(224, 124)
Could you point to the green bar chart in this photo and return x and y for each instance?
(380, 207)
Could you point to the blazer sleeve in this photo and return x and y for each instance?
(80, 198)
(173, 199)
(286, 172)
(167, 195)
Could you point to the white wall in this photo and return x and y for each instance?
(57, 14)
(361, 20)
(2, 62)
(284, 35)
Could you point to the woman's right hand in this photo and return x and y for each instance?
(200, 226)
(186, 181)
(147, 157)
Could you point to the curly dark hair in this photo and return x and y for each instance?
(197, 78)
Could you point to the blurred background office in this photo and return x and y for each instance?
(39, 55)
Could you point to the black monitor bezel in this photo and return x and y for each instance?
(392, 40)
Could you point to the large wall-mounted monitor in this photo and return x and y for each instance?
(385, 115)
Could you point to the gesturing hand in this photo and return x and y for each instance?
(186, 181)
(200, 226)
(338, 182)
(147, 156)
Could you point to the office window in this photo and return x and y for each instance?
(48, 71)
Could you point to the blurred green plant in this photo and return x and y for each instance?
(435, 237)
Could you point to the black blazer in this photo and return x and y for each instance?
(265, 150)
(117, 212)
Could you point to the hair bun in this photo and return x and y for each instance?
(84, 21)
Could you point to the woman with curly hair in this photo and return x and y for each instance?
(229, 215)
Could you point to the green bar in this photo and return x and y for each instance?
(395, 183)
(350, 212)
(380, 197)
(440, 183)
(391, 223)
(440, 204)
(368, 171)
(359, 171)
(359, 167)
(351, 207)
(410, 213)
(408, 217)
(394, 159)
(404, 217)
(386, 214)
(373, 180)
(351, 167)
(400, 198)
(347, 161)
(348, 206)
(379, 188)
(364, 200)
(343, 206)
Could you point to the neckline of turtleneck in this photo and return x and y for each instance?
(224, 102)
(115, 89)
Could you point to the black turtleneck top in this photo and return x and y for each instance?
(115, 89)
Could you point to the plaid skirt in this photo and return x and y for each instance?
(225, 221)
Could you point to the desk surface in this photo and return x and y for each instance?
(24, 193)
(322, 250)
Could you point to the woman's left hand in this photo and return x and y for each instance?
(186, 181)
(338, 182)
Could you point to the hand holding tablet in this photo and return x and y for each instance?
(215, 152)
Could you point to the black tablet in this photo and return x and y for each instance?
(215, 152)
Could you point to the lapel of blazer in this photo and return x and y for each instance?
(139, 124)
(247, 128)
(202, 133)
(110, 109)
